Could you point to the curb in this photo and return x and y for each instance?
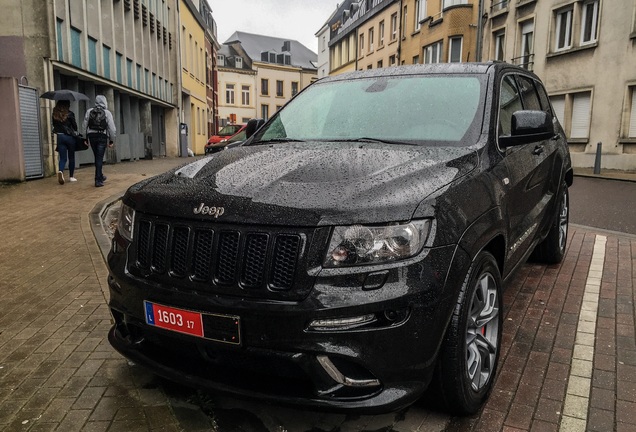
(98, 218)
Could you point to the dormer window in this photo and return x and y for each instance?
(239, 62)
(284, 59)
(272, 57)
(220, 60)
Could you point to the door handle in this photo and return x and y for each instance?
(537, 150)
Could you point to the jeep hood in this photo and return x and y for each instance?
(305, 184)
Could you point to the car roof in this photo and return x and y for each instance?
(421, 69)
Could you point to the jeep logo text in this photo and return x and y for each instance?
(212, 211)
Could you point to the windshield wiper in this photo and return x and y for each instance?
(275, 140)
(370, 140)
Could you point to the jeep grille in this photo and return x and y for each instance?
(217, 256)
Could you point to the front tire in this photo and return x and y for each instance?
(552, 249)
(468, 360)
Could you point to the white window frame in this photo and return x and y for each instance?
(558, 107)
(229, 94)
(417, 14)
(581, 115)
(500, 45)
(381, 34)
(527, 38)
(394, 26)
(238, 62)
(451, 42)
(498, 5)
(361, 45)
(371, 37)
(433, 52)
(595, 21)
(631, 131)
(563, 29)
(245, 95)
(449, 3)
(405, 18)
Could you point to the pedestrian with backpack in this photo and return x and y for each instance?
(100, 131)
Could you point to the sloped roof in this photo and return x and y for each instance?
(254, 45)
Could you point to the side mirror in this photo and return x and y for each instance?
(528, 126)
(252, 126)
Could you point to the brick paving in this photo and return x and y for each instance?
(58, 372)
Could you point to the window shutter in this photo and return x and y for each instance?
(558, 105)
(580, 115)
(632, 116)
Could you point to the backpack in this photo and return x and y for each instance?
(97, 119)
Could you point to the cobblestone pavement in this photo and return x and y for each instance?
(568, 358)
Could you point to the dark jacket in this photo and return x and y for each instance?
(68, 127)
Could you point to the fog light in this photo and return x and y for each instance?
(341, 323)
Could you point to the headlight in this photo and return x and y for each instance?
(126, 222)
(358, 244)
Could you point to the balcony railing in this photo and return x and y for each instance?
(525, 61)
(498, 5)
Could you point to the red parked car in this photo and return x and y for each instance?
(225, 133)
(213, 147)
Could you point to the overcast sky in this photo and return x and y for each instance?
(289, 19)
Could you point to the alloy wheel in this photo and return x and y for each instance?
(482, 332)
(563, 221)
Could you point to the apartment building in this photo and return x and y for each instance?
(124, 50)
(283, 67)
(212, 47)
(585, 52)
(439, 31)
(194, 103)
(364, 34)
(237, 79)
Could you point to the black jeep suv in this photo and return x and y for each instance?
(354, 248)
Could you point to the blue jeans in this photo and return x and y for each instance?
(98, 145)
(66, 149)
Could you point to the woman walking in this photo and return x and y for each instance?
(65, 127)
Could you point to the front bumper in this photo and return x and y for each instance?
(380, 366)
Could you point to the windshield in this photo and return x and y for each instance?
(404, 109)
(229, 130)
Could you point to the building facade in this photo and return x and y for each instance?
(121, 49)
(238, 85)
(439, 31)
(585, 53)
(194, 103)
(279, 67)
(211, 78)
(364, 34)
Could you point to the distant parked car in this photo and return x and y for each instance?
(225, 133)
(354, 248)
(220, 145)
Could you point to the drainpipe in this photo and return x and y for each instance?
(399, 47)
(480, 25)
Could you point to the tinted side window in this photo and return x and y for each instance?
(543, 97)
(509, 102)
(529, 93)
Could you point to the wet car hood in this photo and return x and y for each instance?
(304, 184)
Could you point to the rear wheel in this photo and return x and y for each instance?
(552, 249)
(468, 361)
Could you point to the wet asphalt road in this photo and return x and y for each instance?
(605, 204)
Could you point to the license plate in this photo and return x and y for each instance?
(217, 327)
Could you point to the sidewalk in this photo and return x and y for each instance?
(606, 174)
(568, 356)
